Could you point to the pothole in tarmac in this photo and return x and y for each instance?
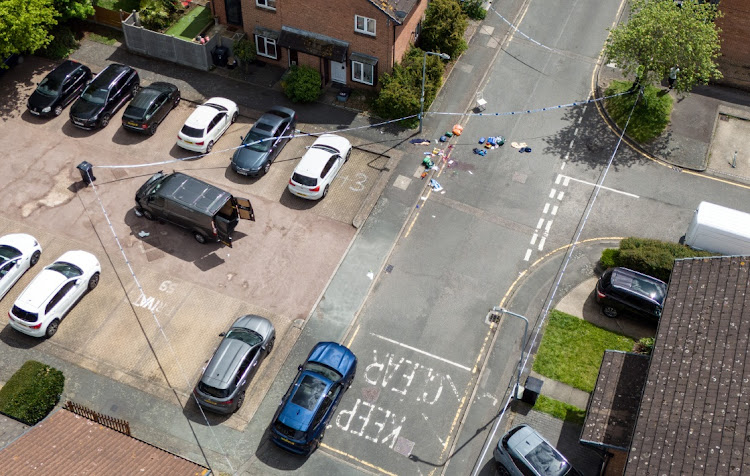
(59, 194)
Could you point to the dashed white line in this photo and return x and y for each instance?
(540, 223)
(533, 238)
(552, 193)
(546, 208)
(558, 178)
(580, 119)
(541, 243)
(554, 210)
(421, 352)
(575, 132)
(528, 255)
(562, 166)
(566, 181)
(560, 195)
(549, 225)
(570, 146)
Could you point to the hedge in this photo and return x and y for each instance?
(652, 257)
(32, 392)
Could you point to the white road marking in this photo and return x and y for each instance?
(602, 187)
(554, 210)
(528, 255)
(557, 179)
(562, 166)
(541, 243)
(421, 352)
(570, 146)
(540, 223)
(566, 181)
(546, 228)
(575, 132)
(560, 195)
(552, 193)
(546, 208)
(533, 238)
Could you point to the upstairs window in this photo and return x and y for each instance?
(364, 25)
(270, 4)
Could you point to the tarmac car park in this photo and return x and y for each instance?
(113, 330)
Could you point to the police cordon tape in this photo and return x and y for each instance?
(308, 134)
(519, 31)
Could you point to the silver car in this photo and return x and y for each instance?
(523, 451)
(222, 386)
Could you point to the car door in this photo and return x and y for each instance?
(222, 124)
(8, 275)
(330, 401)
(160, 109)
(213, 127)
(61, 301)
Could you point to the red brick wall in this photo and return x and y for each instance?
(218, 11)
(734, 61)
(336, 19)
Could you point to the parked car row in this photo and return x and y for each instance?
(44, 303)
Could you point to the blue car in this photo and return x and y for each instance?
(310, 402)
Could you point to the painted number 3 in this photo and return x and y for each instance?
(358, 183)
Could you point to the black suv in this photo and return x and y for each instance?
(59, 88)
(109, 90)
(624, 290)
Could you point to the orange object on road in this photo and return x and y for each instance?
(458, 129)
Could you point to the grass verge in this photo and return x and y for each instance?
(190, 25)
(572, 349)
(651, 115)
(560, 410)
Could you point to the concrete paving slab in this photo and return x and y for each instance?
(563, 392)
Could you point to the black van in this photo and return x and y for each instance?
(622, 289)
(208, 212)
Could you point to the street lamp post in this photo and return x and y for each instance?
(424, 71)
(523, 344)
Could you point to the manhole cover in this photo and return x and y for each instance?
(370, 394)
(403, 446)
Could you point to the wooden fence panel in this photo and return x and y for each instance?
(114, 423)
(108, 17)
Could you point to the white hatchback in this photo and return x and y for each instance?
(206, 125)
(316, 170)
(53, 292)
(18, 253)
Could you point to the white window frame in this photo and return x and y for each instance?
(362, 67)
(366, 22)
(266, 41)
(269, 4)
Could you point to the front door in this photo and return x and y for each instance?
(234, 11)
(338, 72)
(293, 57)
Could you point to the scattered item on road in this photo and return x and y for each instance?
(144, 234)
(420, 141)
(449, 134)
(518, 145)
(443, 138)
(427, 162)
(527, 149)
(481, 102)
(481, 140)
(480, 151)
(436, 187)
(458, 129)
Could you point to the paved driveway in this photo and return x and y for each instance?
(164, 298)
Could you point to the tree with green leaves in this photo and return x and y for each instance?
(661, 35)
(68, 9)
(25, 25)
(443, 28)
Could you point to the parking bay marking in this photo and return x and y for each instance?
(422, 352)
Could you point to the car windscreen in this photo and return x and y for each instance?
(66, 269)
(304, 180)
(247, 336)
(8, 253)
(251, 141)
(323, 370)
(50, 86)
(95, 95)
(546, 460)
(192, 131)
(309, 392)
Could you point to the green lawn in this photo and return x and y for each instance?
(560, 410)
(572, 349)
(125, 5)
(651, 114)
(190, 25)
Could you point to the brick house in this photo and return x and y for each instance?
(350, 42)
(734, 62)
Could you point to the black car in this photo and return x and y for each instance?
(59, 88)
(622, 289)
(150, 106)
(273, 130)
(109, 90)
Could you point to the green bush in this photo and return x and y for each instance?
(651, 115)
(443, 28)
(644, 345)
(244, 50)
(652, 257)
(63, 43)
(473, 9)
(302, 84)
(155, 16)
(32, 392)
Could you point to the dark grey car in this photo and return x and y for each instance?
(264, 142)
(222, 386)
(624, 290)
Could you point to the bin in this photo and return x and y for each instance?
(531, 390)
(220, 56)
(87, 174)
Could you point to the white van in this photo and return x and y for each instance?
(720, 230)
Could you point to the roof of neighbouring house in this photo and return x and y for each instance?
(65, 443)
(693, 417)
(397, 10)
(613, 407)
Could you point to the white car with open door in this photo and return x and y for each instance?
(53, 292)
(18, 253)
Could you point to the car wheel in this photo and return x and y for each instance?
(176, 101)
(104, 121)
(325, 192)
(234, 117)
(152, 129)
(269, 346)
(58, 110)
(266, 168)
(52, 328)
(240, 400)
(134, 91)
(209, 146)
(34, 258)
(147, 214)
(200, 237)
(501, 470)
(93, 281)
(609, 311)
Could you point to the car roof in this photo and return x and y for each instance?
(225, 362)
(193, 192)
(36, 294)
(312, 163)
(639, 283)
(80, 258)
(64, 69)
(296, 416)
(527, 443)
(20, 241)
(161, 86)
(110, 73)
(333, 355)
(203, 114)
